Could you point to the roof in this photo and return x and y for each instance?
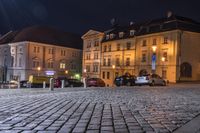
(45, 35)
(154, 26)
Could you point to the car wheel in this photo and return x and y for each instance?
(152, 84)
(71, 85)
(164, 83)
(128, 84)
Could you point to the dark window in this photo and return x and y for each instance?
(127, 61)
(109, 48)
(186, 70)
(105, 48)
(143, 57)
(118, 47)
(109, 62)
(103, 75)
(164, 74)
(144, 43)
(117, 62)
(108, 75)
(165, 56)
(128, 45)
(165, 41)
(154, 41)
(104, 62)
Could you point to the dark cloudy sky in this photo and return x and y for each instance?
(81, 15)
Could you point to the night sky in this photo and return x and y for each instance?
(79, 16)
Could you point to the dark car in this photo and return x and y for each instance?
(95, 82)
(23, 84)
(128, 80)
(73, 83)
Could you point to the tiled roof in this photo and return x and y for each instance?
(154, 26)
(43, 35)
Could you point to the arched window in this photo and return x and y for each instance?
(143, 72)
(186, 70)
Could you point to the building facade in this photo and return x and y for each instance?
(24, 58)
(92, 53)
(168, 47)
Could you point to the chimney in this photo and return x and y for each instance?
(169, 14)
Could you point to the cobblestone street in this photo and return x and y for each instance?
(99, 110)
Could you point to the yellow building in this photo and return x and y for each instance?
(168, 47)
(92, 53)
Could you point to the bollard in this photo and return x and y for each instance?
(84, 82)
(44, 84)
(51, 84)
(63, 84)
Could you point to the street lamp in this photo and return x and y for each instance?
(38, 69)
(154, 48)
(113, 67)
(66, 71)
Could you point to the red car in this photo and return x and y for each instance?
(57, 83)
(95, 82)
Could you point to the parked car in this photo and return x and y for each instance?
(151, 80)
(95, 82)
(57, 83)
(73, 83)
(23, 84)
(128, 80)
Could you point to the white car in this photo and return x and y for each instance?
(151, 80)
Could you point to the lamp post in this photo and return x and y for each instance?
(154, 48)
(163, 60)
(38, 69)
(113, 67)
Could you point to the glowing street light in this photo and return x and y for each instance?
(154, 48)
(163, 59)
(113, 67)
(85, 70)
(66, 71)
(38, 69)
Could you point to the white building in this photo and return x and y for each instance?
(39, 51)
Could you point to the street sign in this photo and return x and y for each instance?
(153, 65)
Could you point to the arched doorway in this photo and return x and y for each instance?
(143, 72)
(186, 70)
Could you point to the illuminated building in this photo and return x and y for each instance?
(39, 51)
(168, 47)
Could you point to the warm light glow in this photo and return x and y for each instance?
(163, 59)
(113, 66)
(39, 68)
(66, 72)
(85, 70)
(154, 48)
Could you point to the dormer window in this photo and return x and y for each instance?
(112, 36)
(132, 32)
(121, 34)
(107, 37)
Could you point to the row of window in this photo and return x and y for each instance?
(154, 42)
(117, 62)
(120, 35)
(108, 48)
(95, 68)
(96, 56)
(89, 44)
(50, 64)
(144, 56)
(52, 51)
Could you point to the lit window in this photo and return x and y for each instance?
(112, 36)
(62, 65)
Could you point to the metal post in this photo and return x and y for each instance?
(63, 84)
(51, 84)
(44, 84)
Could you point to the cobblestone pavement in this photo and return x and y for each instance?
(99, 110)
